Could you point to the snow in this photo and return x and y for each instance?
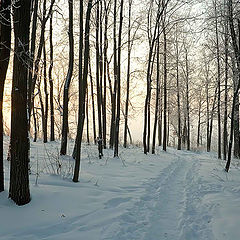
(171, 195)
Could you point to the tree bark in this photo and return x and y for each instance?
(157, 97)
(67, 82)
(164, 87)
(82, 94)
(93, 104)
(178, 96)
(118, 81)
(219, 84)
(128, 73)
(236, 92)
(19, 180)
(5, 45)
(225, 130)
(52, 133)
(99, 82)
(115, 68)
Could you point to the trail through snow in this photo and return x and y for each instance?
(166, 210)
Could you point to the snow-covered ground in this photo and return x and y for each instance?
(173, 195)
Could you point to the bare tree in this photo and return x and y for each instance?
(82, 93)
(118, 81)
(68, 81)
(19, 180)
(5, 44)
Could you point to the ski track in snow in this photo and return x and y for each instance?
(168, 209)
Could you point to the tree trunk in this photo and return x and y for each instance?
(237, 57)
(219, 84)
(160, 118)
(5, 45)
(164, 87)
(67, 82)
(82, 93)
(178, 96)
(118, 82)
(199, 121)
(115, 68)
(87, 117)
(104, 96)
(45, 93)
(98, 81)
(93, 104)
(187, 101)
(236, 147)
(157, 97)
(128, 73)
(225, 130)
(52, 134)
(19, 180)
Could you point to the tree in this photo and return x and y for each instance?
(115, 66)
(68, 81)
(218, 81)
(164, 84)
(52, 134)
(179, 134)
(82, 93)
(19, 180)
(5, 45)
(236, 91)
(118, 81)
(128, 72)
(225, 130)
(157, 95)
(98, 81)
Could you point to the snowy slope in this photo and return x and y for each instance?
(174, 195)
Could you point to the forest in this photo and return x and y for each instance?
(89, 82)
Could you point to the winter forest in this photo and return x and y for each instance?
(119, 119)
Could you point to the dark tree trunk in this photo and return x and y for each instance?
(102, 77)
(179, 147)
(115, 68)
(199, 121)
(236, 147)
(104, 96)
(19, 180)
(207, 107)
(157, 97)
(219, 84)
(45, 93)
(82, 93)
(93, 104)
(236, 92)
(211, 122)
(164, 87)
(160, 118)
(98, 81)
(87, 117)
(225, 130)
(35, 125)
(128, 73)
(67, 82)
(5, 44)
(80, 78)
(118, 82)
(52, 134)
